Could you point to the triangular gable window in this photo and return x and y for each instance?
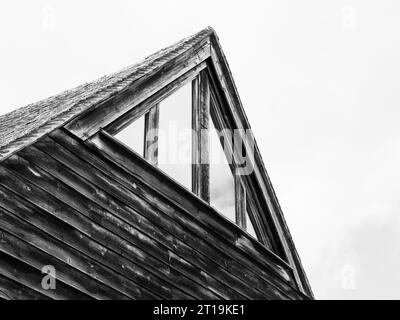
(133, 135)
(184, 135)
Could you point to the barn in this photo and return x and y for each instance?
(93, 207)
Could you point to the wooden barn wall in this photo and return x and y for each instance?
(110, 234)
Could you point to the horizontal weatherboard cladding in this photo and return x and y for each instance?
(116, 229)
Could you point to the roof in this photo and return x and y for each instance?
(25, 125)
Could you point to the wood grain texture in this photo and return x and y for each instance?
(115, 249)
(219, 66)
(166, 206)
(144, 235)
(140, 109)
(192, 206)
(12, 290)
(113, 235)
(240, 201)
(200, 138)
(150, 146)
(104, 114)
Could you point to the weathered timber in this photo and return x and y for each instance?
(143, 107)
(200, 139)
(202, 239)
(141, 276)
(240, 199)
(150, 146)
(158, 179)
(31, 278)
(141, 241)
(108, 111)
(228, 87)
(13, 290)
(49, 235)
(124, 195)
(35, 257)
(115, 226)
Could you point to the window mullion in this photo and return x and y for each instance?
(240, 202)
(200, 136)
(151, 124)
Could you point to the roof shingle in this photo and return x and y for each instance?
(25, 125)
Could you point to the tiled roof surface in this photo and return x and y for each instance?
(25, 125)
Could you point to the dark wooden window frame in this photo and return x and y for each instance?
(142, 94)
(246, 198)
(117, 152)
(151, 127)
(206, 106)
(93, 124)
(263, 224)
(200, 141)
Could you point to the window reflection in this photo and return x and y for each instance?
(222, 185)
(175, 136)
(133, 135)
(250, 227)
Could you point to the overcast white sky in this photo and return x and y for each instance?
(319, 80)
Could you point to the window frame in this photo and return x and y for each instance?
(207, 106)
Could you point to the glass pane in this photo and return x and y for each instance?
(250, 227)
(175, 136)
(222, 185)
(133, 135)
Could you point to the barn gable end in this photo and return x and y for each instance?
(113, 224)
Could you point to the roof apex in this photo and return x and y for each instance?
(25, 125)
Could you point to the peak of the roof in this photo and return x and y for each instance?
(25, 125)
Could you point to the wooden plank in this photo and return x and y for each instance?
(222, 118)
(12, 290)
(225, 79)
(116, 247)
(48, 234)
(116, 208)
(105, 113)
(141, 242)
(206, 215)
(139, 110)
(200, 139)
(151, 123)
(214, 249)
(148, 174)
(240, 202)
(213, 252)
(80, 245)
(74, 246)
(31, 278)
(130, 216)
(263, 227)
(38, 258)
(272, 219)
(147, 227)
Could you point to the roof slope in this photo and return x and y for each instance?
(26, 124)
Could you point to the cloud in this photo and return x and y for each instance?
(364, 265)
